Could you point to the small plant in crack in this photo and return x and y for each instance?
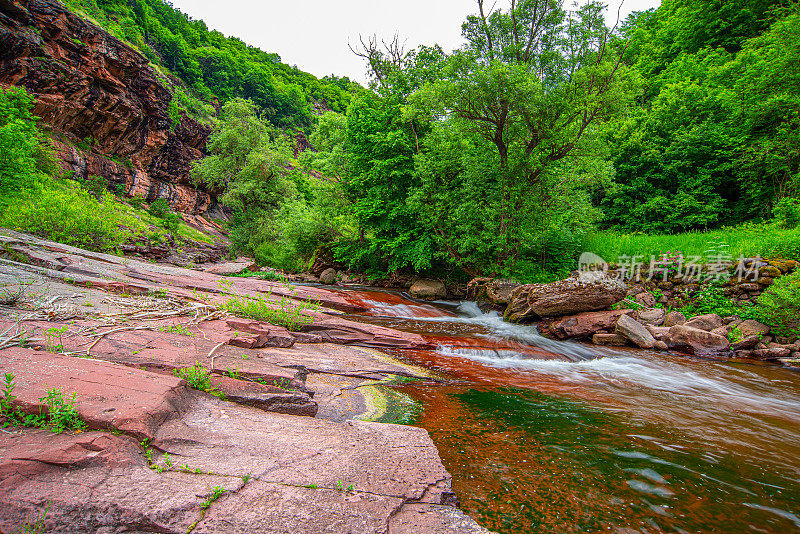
(38, 526)
(216, 493)
(198, 378)
(283, 383)
(177, 329)
(51, 334)
(233, 373)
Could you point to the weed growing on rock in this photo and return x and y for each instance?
(177, 329)
(198, 377)
(282, 383)
(11, 295)
(216, 493)
(61, 413)
(38, 526)
(51, 334)
(233, 373)
(286, 312)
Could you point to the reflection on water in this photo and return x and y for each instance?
(546, 436)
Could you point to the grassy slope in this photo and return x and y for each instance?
(748, 240)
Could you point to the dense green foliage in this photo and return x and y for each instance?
(485, 159)
(280, 214)
(716, 136)
(779, 306)
(214, 66)
(505, 156)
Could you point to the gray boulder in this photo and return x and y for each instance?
(328, 277)
(636, 332)
(428, 290)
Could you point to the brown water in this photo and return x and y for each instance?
(545, 436)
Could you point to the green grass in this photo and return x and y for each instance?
(63, 211)
(748, 240)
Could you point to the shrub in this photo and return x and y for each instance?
(172, 223)
(96, 185)
(198, 377)
(159, 208)
(779, 306)
(710, 299)
(285, 312)
(63, 212)
(787, 212)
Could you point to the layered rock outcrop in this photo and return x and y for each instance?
(101, 97)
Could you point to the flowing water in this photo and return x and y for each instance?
(547, 436)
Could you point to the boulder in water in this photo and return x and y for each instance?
(428, 290)
(588, 291)
(581, 325)
(328, 276)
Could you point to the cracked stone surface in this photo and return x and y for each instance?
(313, 470)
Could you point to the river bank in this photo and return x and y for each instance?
(191, 420)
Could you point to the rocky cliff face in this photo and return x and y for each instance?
(97, 92)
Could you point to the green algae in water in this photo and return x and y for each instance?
(524, 461)
(401, 409)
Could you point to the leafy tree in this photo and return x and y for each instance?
(523, 95)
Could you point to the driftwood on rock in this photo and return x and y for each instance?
(588, 291)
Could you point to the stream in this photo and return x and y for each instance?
(549, 436)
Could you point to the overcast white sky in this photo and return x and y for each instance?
(313, 34)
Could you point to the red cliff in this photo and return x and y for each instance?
(102, 98)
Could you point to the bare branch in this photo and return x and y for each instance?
(489, 42)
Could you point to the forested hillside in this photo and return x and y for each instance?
(214, 66)
(505, 156)
(714, 136)
(548, 132)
